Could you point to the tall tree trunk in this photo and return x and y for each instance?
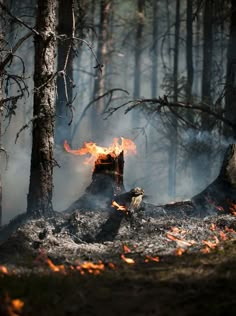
(65, 27)
(230, 99)
(174, 138)
(1, 109)
(100, 81)
(138, 47)
(154, 49)
(42, 162)
(189, 50)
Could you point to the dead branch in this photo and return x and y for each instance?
(27, 125)
(6, 155)
(18, 20)
(162, 103)
(108, 93)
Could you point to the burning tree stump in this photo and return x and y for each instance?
(107, 177)
(220, 195)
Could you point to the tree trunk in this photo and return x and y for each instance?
(138, 47)
(154, 50)
(174, 137)
(65, 27)
(100, 81)
(189, 50)
(1, 110)
(220, 195)
(230, 99)
(42, 161)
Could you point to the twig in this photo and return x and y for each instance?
(27, 125)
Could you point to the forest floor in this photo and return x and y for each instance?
(163, 264)
(191, 284)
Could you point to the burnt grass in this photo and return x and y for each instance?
(190, 284)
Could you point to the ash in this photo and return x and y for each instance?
(100, 234)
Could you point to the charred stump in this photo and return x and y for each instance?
(107, 182)
(220, 195)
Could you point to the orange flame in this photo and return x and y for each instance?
(17, 305)
(127, 260)
(127, 146)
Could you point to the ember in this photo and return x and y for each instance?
(127, 260)
(10, 307)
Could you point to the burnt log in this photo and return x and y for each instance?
(220, 195)
(107, 182)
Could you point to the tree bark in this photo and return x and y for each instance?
(42, 161)
(65, 26)
(138, 47)
(189, 50)
(174, 138)
(100, 81)
(1, 111)
(230, 99)
(220, 195)
(154, 50)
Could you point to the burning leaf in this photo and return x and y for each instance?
(177, 230)
(210, 244)
(127, 260)
(150, 258)
(126, 145)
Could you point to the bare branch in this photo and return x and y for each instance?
(18, 20)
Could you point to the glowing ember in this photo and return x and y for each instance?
(210, 244)
(17, 305)
(126, 249)
(118, 206)
(10, 307)
(55, 268)
(179, 251)
(232, 209)
(150, 258)
(205, 250)
(3, 270)
(127, 260)
(179, 241)
(91, 268)
(212, 226)
(223, 236)
(95, 151)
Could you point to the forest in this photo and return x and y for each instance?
(117, 126)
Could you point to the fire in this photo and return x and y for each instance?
(91, 268)
(127, 260)
(95, 151)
